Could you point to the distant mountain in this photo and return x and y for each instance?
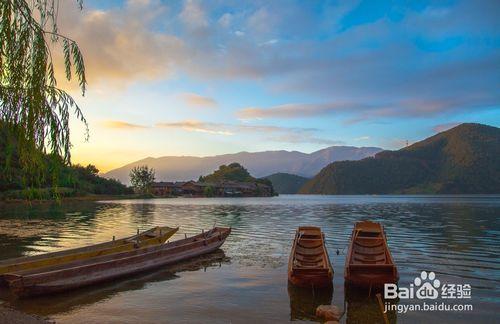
(286, 183)
(259, 164)
(464, 159)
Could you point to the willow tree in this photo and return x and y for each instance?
(32, 106)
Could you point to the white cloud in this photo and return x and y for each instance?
(225, 20)
(117, 124)
(196, 100)
(118, 46)
(267, 132)
(193, 15)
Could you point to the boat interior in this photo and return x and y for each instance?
(215, 232)
(309, 249)
(369, 246)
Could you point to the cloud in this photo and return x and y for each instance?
(269, 42)
(376, 69)
(293, 110)
(362, 138)
(268, 132)
(197, 126)
(118, 45)
(117, 124)
(193, 15)
(355, 112)
(196, 100)
(261, 21)
(444, 127)
(225, 20)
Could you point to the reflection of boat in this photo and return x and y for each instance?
(305, 300)
(361, 308)
(154, 236)
(104, 268)
(309, 265)
(369, 262)
(64, 302)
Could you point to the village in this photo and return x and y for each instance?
(209, 189)
(231, 180)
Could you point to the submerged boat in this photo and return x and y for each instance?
(154, 236)
(369, 262)
(309, 264)
(104, 268)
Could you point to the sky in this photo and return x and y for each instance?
(205, 78)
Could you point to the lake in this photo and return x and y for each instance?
(457, 237)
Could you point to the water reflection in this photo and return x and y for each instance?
(364, 308)
(420, 231)
(68, 301)
(304, 301)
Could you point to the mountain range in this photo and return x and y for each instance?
(259, 164)
(286, 183)
(461, 160)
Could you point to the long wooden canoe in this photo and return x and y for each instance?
(154, 236)
(309, 264)
(369, 262)
(104, 268)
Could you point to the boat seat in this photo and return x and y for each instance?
(314, 258)
(368, 261)
(369, 244)
(309, 244)
(369, 252)
(303, 235)
(311, 266)
(307, 252)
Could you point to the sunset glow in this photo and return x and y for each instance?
(202, 78)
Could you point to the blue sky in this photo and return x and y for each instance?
(204, 78)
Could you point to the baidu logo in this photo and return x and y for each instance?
(427, 286)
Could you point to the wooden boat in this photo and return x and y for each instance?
(154, 236)
(309, 264)
(369, 262)
(104, 268)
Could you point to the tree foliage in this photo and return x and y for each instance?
(209, 191)
(231, 172)
(141, 178)
(465, 159)
(35, 110)
(286, 183)
(56, 178)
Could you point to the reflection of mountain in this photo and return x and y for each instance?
(363, 309)
(304, 301)
(64, 302)
(38, 228)
(259, 164)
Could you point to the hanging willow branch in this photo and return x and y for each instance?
(34, 109)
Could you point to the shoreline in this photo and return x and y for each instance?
(103, 197)
(12, 316)
(70, 199)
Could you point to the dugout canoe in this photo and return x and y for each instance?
(369, 262)
(154, 236)
(309, 264)
(105, 268)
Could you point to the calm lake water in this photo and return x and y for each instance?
(457, 237)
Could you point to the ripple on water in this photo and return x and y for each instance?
(457, 238)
